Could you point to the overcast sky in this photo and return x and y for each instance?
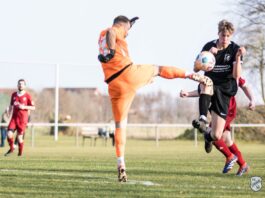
(37, 34)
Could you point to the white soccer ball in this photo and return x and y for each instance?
(206, 61)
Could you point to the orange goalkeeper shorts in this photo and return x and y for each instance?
(123, 88)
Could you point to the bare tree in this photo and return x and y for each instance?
(252, 35)
(85, 106)
(256, 58)
(251, 11)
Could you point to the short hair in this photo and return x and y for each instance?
(225, 25)
(21, 80)
(121, 18)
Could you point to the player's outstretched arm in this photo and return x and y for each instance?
(184, 94)
(250, 96)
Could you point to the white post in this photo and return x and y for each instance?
(233, 133)
(56, 108)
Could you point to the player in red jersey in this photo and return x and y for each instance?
(20, 104)
(226, 145)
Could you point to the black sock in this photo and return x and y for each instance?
(208, 137)
(204, 103)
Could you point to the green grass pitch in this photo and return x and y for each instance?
(174, 169)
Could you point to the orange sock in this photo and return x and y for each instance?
(120, 141)
(171, 72)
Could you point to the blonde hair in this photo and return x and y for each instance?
(225, 25)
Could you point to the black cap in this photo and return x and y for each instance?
(125, 19)
(133, 20)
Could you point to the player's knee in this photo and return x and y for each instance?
(224, 138)
(217, 136)
(208, 81)
(20, 138)
(228, 139)
(206, 89)
(228, 142)
(209, 89)
(202, 79)
(9, 134)
(156, 70)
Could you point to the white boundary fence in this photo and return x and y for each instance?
(155, 127)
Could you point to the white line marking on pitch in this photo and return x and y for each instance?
(44, 172)
(132, 182)
(213, 187)
(145, 183)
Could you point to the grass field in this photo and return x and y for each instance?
(174, 169)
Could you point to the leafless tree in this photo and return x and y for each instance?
(252, 35)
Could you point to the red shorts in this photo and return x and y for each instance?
(17, 124)
(231, 115)
(228, 122)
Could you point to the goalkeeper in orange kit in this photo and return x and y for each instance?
(124, 78)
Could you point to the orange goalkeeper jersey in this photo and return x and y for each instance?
(121, 57)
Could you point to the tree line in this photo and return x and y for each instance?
(85, 106)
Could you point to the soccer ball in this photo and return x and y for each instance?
(205, 61)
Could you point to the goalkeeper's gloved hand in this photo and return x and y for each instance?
(106, 58)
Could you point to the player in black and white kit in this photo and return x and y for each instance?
(225, 76)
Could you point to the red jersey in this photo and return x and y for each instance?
(242, 82)
(24, 99)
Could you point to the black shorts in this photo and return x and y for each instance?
(221, 97)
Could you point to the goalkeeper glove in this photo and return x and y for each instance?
(106, 58)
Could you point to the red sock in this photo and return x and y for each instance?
(20, 148)
(233, 148)
(171, 72)
(11, 143)
(221, 146)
